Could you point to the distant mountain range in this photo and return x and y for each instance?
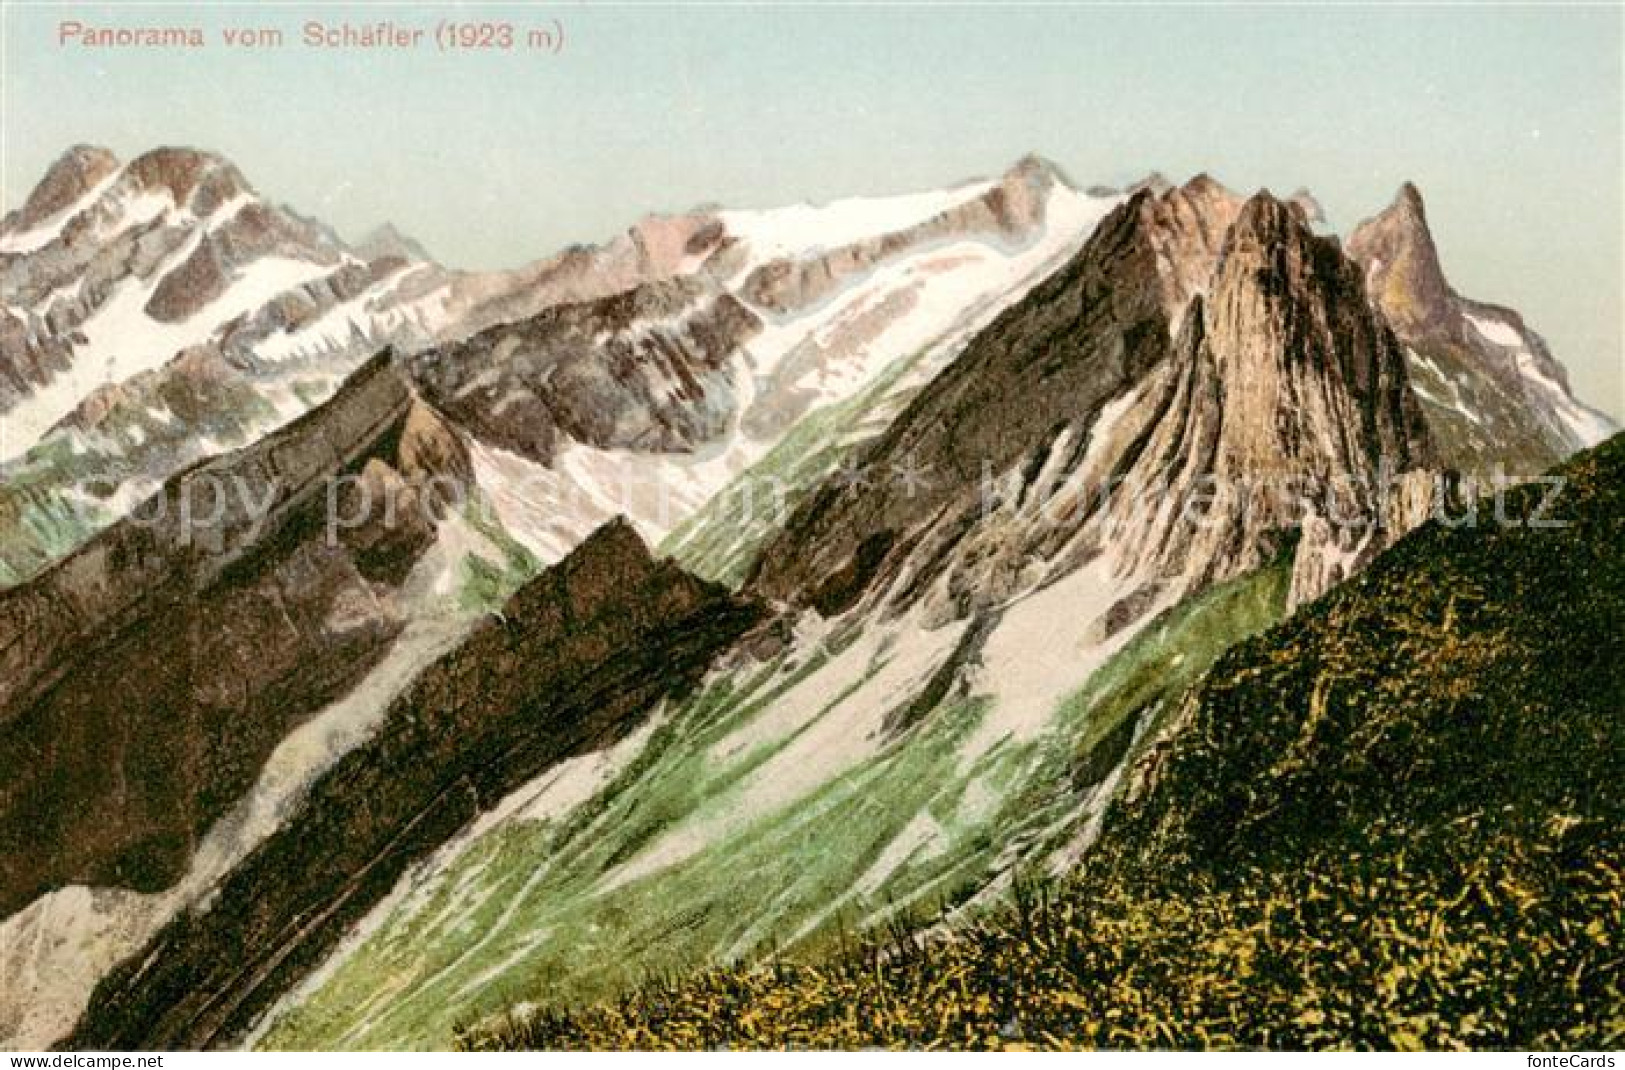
(487, 640)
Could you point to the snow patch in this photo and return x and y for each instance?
(1497, 331)
(827, 724)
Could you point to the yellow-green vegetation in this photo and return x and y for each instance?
(1392, 821)
(1346, 951)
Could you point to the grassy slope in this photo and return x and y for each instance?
(721, 540)
(523, 915)
(1392, 821)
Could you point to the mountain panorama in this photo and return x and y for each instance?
(1003, 615)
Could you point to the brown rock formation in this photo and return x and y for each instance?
(145, 678)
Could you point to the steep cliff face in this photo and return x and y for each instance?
(575, 659)
(1187, 225)
(1026, 515)
(1491, 389)
(146, 678)
(164, 313)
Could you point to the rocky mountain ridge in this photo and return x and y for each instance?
(1489, 385)
(229, 610)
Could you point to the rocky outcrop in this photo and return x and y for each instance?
(174, 227)
(1077, 426)
(647, 369)
(1054, 360)
(575, 659)
(74, 174)
(145, 678)
(1493, 393)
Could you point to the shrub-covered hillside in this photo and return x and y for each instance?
(1392, 821)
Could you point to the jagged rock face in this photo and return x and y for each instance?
(1292, 399)
(1074, 428)
(1079, 339)
(577, 657)
(1402, 264)
(73, 175)
(226, 610)
(647, 370)
(162, 315)
(654, 367)
(1491, 390)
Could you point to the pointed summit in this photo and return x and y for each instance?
(74, 174)
(1493, 391)
(1403, 273)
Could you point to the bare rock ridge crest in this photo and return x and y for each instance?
(1190, 387)
(575, 660)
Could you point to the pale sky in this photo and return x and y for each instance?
(1509, 119)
